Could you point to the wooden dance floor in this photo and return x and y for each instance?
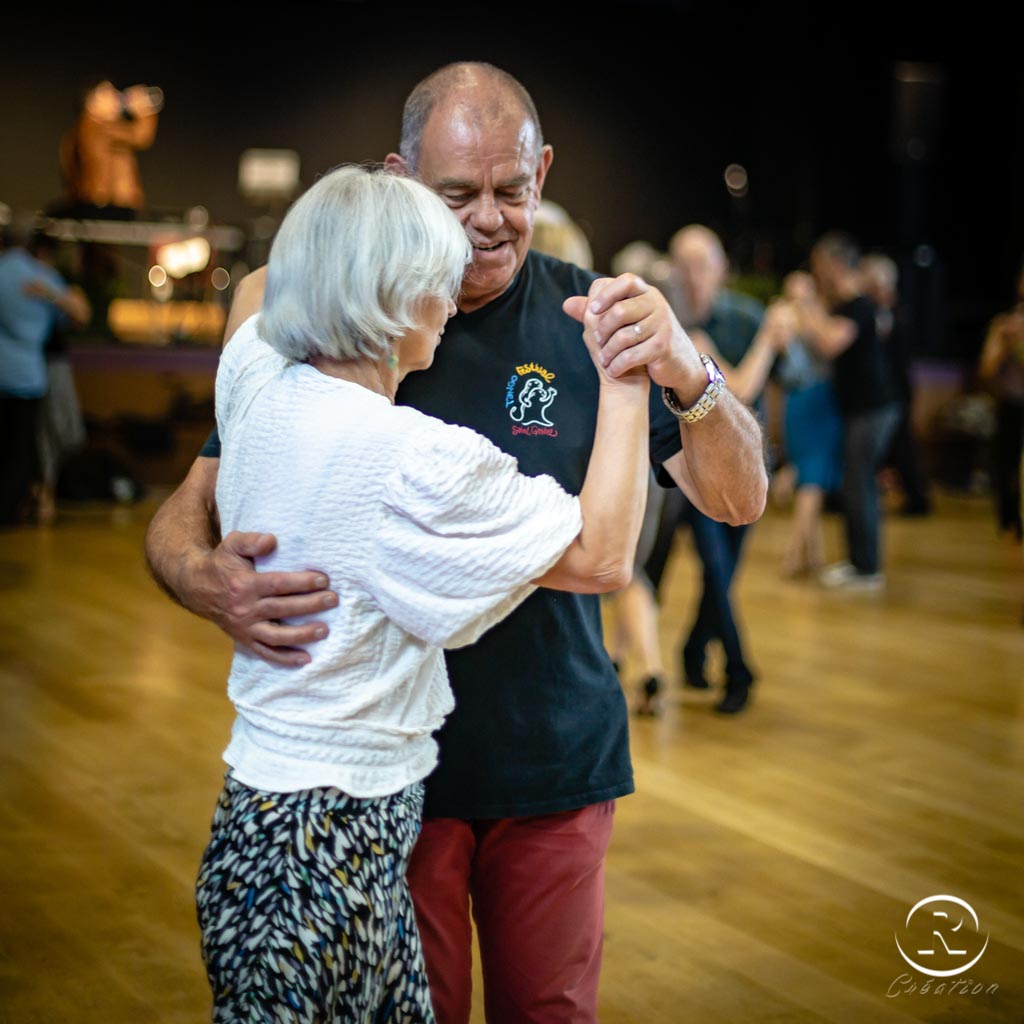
(758, 876)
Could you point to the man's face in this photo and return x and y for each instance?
(489, 171)
(879, 289)
(701, 272)
(823, 272)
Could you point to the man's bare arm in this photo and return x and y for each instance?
(215, 578)
(248, 299)
(721, 468)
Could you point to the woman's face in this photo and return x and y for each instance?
(415, 349)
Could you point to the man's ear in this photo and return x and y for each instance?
(397, 164)
(547, 154)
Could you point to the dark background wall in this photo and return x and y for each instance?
(645, 104)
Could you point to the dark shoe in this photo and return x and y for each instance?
(736, 697)
(648, 702)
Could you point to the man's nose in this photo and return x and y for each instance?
(486, 215)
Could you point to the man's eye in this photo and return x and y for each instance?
(455, 199)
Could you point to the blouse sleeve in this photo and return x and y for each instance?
(246, 365)
(462, 534)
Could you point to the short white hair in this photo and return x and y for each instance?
(353, 260)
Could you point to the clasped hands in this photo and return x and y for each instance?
(629, 326)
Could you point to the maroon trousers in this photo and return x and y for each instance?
(536, 888)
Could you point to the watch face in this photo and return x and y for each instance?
(714, 373)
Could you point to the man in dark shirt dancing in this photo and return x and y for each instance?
(519, 811)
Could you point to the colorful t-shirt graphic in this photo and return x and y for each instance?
(529, 396)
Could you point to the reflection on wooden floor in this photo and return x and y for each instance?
(758, 875)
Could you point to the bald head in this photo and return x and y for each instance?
(468, 90)
(470, 132)
(700, 264)
(696, 239)
(881, 279)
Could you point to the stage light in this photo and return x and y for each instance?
(198, 217)
(736, 180)
(157, 276)
(180, 259)
(268, 175)
(220, 279)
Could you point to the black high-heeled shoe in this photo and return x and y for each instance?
(648, 702)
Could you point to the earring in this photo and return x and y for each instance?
(393, 357)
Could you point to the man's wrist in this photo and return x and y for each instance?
(689, 384)
(705, 399)
(190, 580)
(688, 393)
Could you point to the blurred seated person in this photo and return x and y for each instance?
(97, 154)
(1001, 369)
(34, 300)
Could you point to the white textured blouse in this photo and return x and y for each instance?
(429, 534)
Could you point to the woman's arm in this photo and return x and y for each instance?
(71, 301)
(830, 336)
(747, 378)
(614, 493)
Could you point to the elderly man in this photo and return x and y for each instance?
(519, 811)
(734, 330)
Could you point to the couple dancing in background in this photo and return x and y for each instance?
(430, 533)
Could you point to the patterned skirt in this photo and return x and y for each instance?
(304, 910)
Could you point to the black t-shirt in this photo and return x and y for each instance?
(862, 379)
(540, 722)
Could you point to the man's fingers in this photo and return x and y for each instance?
(606, 291)
(277, 584)
(288, 657)
(626, 338)
(575, 307)
(624, 313)
(273, 634)
(249, 545)
(295, 605)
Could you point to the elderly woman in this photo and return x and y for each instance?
(430, 535)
